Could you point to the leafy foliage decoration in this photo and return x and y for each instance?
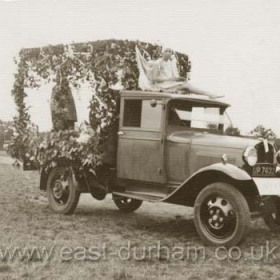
(103, 64)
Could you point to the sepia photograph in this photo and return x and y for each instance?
(139, 140)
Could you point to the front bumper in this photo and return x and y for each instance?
(267, 186)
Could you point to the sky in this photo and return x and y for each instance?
(234, 46)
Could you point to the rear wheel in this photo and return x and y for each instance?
(272, 212)
(127, 204)
(221, 215)
(62, 192)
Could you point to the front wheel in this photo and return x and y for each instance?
(62, 192)
(127, 204)
(221, 215)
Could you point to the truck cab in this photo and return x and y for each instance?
(156, 131)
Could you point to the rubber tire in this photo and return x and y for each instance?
(74, 195)
(127, 207)
(269, 220)
(240, 206)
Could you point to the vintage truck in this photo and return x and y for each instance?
(172, 148)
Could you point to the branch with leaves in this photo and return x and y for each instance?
(101, 63)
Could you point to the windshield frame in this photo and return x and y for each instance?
(196, 103)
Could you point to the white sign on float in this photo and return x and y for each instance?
(38, 102)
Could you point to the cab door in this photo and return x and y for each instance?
(140, 142)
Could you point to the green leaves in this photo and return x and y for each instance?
(99, 62)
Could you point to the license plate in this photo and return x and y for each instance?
(264, 170)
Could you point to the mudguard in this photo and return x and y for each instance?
(227, 168)
(264, 185)
(188, 190)
(250, 187)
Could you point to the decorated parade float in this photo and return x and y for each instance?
(141, 145)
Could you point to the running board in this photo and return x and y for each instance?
(139, 196)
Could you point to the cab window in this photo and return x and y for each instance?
(132, 113)
(140, 113)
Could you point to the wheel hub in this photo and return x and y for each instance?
(125, 200)
(219, 213)
(59, 189)
(216, 218)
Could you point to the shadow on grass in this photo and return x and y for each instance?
(141, 222)
(150, 221)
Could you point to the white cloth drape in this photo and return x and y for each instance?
(145, 68)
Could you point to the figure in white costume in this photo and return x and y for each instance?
(163, 75)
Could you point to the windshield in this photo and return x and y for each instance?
(197, 115)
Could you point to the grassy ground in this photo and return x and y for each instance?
(96, 241)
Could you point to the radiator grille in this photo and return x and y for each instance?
(264, 157)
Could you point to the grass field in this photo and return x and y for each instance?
(158, 241)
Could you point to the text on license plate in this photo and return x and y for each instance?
(264, 170)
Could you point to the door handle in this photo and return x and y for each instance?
(120, 133)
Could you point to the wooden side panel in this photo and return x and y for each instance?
(140, 159)
(177, 161)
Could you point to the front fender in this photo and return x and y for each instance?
(187, 192)
(229, 169)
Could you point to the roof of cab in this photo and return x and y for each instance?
(169, 95)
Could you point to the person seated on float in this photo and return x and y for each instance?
(163, 75)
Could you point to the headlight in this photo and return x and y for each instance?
(250, 156)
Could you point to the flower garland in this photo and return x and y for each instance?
(103, 64)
